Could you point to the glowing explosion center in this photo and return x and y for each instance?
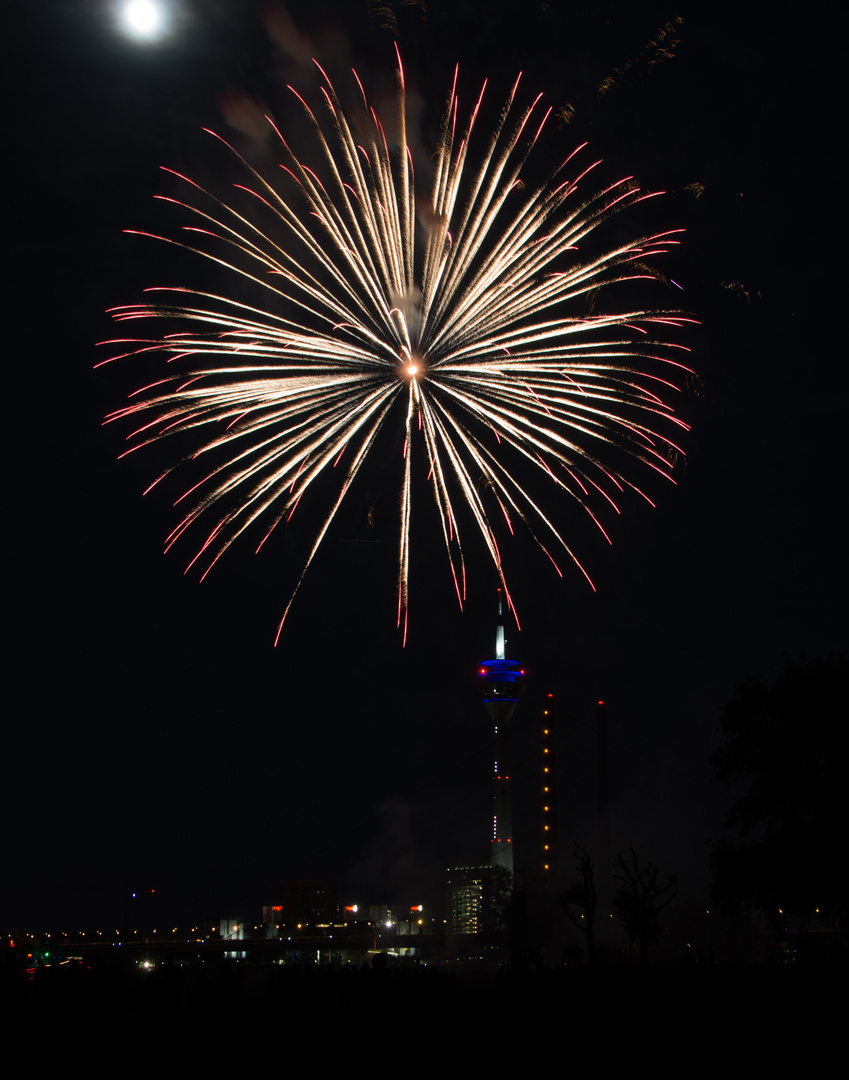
(355, 272)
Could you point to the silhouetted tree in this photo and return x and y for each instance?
(788, 745)
(582, 894)
(638, 901)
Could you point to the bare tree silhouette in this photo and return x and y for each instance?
(582, 894)
(638, 901)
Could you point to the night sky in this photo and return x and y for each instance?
(154, 738)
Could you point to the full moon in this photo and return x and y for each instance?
(143, 19)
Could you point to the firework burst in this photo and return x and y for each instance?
(465, 318)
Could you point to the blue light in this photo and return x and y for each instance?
(501, 678)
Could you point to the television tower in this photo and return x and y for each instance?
(503, 682)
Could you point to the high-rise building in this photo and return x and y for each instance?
(502, 685)
(464, 898)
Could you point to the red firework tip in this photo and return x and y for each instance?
(323, 72)
(400, 66)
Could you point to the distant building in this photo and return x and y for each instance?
(415, 919)
(272, 915)
(308, 901)
(402, 918)
(464, 898)
(232, 929)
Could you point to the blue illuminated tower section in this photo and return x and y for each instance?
(502, 684)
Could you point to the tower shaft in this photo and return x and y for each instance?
(502, 812)
(503, 685)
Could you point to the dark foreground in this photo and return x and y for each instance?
(522, 1008)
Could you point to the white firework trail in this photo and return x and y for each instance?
(473, 314)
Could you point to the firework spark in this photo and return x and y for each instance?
(466, 318)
